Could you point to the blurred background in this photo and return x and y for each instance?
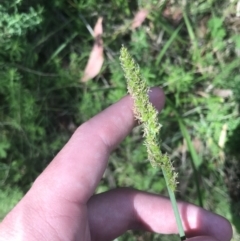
(59, 66)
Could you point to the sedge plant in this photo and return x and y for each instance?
(146, 114)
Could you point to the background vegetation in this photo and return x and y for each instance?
(189, 48)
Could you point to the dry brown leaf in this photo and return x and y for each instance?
(202, 29)
(183, 148)
(96, 57)
(203, 94)
(173, 14)
(198, 145)
(223, 136)
(139, 18)
(238, 9)
(223, 93)
(98, 29)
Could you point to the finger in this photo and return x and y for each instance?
(113, 213)
(77, 169)
(202, 238)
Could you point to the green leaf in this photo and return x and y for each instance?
(4, 146)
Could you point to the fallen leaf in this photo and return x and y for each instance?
(139, 18)
(223, 93)
(173, 14)
(202, 30)
(238, 9)
(223, 136)
(98, 29)
(96, 57)
(203, 94)
(198, 145)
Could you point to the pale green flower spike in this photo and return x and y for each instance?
(146, 113)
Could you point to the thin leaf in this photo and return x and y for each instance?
(167, 45)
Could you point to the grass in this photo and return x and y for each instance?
(9, 198)
(191, 51)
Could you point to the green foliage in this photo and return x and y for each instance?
(14, 25)
(8, 199)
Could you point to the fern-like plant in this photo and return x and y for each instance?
(146, 113)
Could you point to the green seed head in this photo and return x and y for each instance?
(146, 113)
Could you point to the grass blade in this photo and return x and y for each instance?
(195, 159)
(167, 45)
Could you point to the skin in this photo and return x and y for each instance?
(61, 204)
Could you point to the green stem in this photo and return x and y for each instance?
(175, 209)
(146, 113)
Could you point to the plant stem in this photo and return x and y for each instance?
(175, 209)
(145, 112)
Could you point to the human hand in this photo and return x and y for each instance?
(61, 205)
